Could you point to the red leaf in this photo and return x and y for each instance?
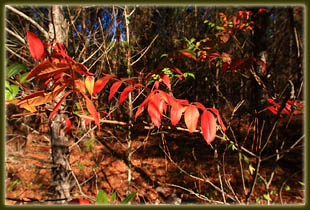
(83, 201)
(219, 119)
(40, 97)
(224, 67)
(199, 105)
(80, 68)
(92, 110)
(177, 71)
(176, 113)
(272, 109)
(143, 105)
(166, 80)
(270, 100)
(188, 53)
(262, 10)
(155, 109)
(68, 125)
(140, 109)
(114, 88)
(124, 94)
(287, 111)
(166, 97)
(138, 85)
(156, 84)
(79, 201)
(182, 101)
(191, 116)
(36, 47)
(208, 126)
(100, 83)
(290, 102)
(58, 104)
(87, 121)
(37, 69)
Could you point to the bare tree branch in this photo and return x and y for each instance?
(45, 33)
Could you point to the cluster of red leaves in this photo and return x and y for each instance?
(288, 109)
(58, 72)
(232, 23)
(208, 47)
(63, 74)
(157, 102)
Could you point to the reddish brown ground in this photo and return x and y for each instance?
(100, 163)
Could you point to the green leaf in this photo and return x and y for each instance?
(301, 183)
(246, 159)
(129, 198)
(192, 40)
(287, 188)
(167, 71)
(186, 74)
(113, 196)
(252, 169)
(7, 85)
(232, 146)
(272, 192)
(15, 90)
(8, 94)
(260, 179)
(164, 55)
(102, 197)
(267, 197)
(10, 91)
(14, 69)
(23, 76)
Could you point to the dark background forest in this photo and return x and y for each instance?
(259, 159)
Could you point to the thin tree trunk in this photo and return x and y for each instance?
(130, 108)
(59, 142)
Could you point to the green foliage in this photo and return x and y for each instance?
(251, 169)
(90, 143)
(129, 198)
(102, 198)
(232, 146)
(190, 44)
(80, 166)
(14, 69)
(210, 194)
(11, 90)
(189, 74)
(14, 184)
(267, 197)
(301, 183)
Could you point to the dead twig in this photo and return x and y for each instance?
(44, 32)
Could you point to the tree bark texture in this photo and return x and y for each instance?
(59, 142)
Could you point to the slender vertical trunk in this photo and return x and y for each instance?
(130, 108)
(59, 142)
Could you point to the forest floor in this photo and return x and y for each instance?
(167, 167)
